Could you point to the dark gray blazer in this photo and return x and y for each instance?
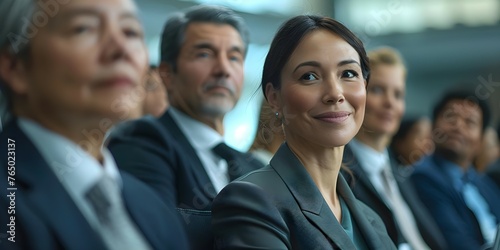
(280, 207)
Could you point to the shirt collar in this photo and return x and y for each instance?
(370, 160)
(77, 170)
(201, 136)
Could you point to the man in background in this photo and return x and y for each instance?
(182, 154)
(465, 204)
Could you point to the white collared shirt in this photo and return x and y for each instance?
(372, 162)
(203, 139)
(77, 170)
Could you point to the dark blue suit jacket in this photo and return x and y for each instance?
(363, 190)
(280, 207)
(493, 172)
(46, 217)
(457, 222)
(157, 152)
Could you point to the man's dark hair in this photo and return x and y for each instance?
(175, 29)
(468, 96)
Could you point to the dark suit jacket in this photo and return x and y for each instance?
(157, 152)
(363, 190)
(280, 207)
(493, 172)
(47, 218)
(457, 222)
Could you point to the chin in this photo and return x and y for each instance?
(386, 131)
(217, 109)
(337, 141)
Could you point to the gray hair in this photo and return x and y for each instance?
(15, 17)
(175, 28)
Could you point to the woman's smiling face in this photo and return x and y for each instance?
(322, 95)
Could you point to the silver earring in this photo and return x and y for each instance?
(277, 115)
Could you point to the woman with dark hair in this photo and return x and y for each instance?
(412, 141)
(314, 79)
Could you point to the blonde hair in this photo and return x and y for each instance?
(385, 56)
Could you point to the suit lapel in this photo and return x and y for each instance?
(363, 222)
(188, 150)
(360, 177)
(328, 224)
(489, 192)
(308, 197)
(405, 188)
(134, 201)
(48, 198)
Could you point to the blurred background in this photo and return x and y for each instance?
(445, 43)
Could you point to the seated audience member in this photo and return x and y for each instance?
(314, 78)
(377, 179)
(412, 141)
(465, 204)
(269, 135)
(489, 152)
(61, 82)
(493, 171)
(155, 100)
(182, 154)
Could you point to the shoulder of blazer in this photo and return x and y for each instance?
(429, 170)
(148, 134)
(147, 129)
(267, 179)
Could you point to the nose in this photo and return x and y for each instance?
(459, 123)
(115, 44)
(389, 100)
(333, 92)
(222, 66)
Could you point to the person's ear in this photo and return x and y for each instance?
(274, 98)
(13, 73)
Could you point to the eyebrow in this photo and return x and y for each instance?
(94, 12)
(317, 64)
(205, 45)
(345, 62)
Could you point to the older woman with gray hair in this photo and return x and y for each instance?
(63, 64)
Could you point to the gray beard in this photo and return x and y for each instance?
(215, 110)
